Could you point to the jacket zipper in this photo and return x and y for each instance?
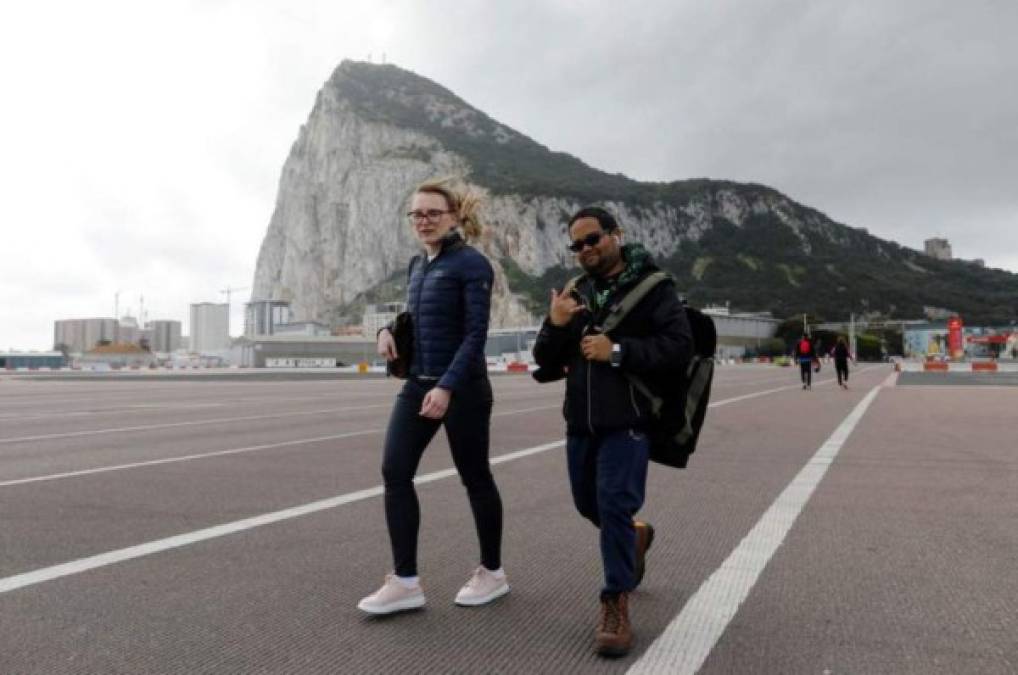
(632, 397)
(416, 314)
(590, 420)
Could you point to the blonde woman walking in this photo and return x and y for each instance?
(449, 300)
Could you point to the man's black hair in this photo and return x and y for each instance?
(605, 219)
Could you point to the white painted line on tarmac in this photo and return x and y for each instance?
(777, 389)
(85, 564)
(112, 557)
(220, 420)
(736, 399)
(690, 637)
(180, 458)
(192, 423)
(119, 410)
(221, 453)
(255, 448)
(122, 409)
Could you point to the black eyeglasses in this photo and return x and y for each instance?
(591, 240)
(431, 215)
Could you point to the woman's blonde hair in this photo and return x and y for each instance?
(463, 201)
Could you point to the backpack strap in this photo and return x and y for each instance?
(618, 310)
(655, 401)
(700, 372)
(573, 283)
(697, 384)
(621, 307)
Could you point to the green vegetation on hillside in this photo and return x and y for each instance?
(820, 267)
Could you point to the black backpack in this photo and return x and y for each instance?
(678, 417)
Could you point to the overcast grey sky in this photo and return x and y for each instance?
(142, 142)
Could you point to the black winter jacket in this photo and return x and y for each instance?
(449, 299)
(657, 345)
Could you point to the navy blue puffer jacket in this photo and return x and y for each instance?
(450, 301)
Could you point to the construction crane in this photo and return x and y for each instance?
(228, 291)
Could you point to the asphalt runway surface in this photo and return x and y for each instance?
(230, 525)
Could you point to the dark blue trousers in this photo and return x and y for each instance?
(806, 371)
(608, 476)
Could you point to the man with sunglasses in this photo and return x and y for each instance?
(606, 416)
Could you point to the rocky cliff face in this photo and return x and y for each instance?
(338, 236)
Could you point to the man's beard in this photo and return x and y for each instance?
(600, 268)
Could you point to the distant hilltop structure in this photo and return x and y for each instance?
(938, 248)
(941, 250)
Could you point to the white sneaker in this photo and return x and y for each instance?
(482, 588)
(393, 596)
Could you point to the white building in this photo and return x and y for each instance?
(210, 327)
(378, 316)
(738, 331)
(165, 335)
(305, 328)
(80, 335)
(303, 351)
(262, 317)
(129, 331)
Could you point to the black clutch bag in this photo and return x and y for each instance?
(403, 335)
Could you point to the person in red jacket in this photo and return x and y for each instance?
(805, 355)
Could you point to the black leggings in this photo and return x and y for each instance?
(842, 368)
(467, 423)
(806, 371)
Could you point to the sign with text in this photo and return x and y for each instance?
(301, 362)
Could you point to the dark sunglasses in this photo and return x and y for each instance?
(591, 240)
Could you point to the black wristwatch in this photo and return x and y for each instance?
(616, 359)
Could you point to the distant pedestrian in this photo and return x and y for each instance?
(449, 300)
(841, 355)
(805, 355)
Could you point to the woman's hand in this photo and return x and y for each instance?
(436, 403)
(386, 346)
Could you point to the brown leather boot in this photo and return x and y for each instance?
(644, 538)
(614, 636)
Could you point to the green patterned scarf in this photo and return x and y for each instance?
(637, 260)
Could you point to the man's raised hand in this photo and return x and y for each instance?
(563, 307)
